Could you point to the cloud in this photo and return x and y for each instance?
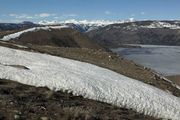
(56, 17)
(133, 15)
(142, 13)
(107, 12)
(72, 15)
(21, 16)
(12, 15)
(35, 16)
(44, 15)
(131, 19)
(69, 15)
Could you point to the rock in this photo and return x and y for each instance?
(44, 118)
(16, 117)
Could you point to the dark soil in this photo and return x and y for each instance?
(23, 102)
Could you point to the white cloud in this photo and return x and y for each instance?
(44, 15)
(21, 16)
(107, 12)
(69, 15)
(131, 19)
(133, 15)
(143, 13)
(72, 15)
(26, 16)
(12, 15)
(56, 17)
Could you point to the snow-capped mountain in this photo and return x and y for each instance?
(162, 24)
(86, 26)
(138, 32)
(82, 25)
(85, 22)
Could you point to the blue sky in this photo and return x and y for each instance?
(37, 10)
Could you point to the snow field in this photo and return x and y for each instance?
(88, 80)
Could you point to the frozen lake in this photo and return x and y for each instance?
(163, 59)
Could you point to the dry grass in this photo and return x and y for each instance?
(175, 79)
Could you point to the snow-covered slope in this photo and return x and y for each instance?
(85, 22)
(161, 25)
(82, 25)
(134, 26)
(86, 26)
(16, 35)
(87, 80)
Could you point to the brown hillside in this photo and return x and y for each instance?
(60, 38)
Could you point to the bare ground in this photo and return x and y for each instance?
(23, 102)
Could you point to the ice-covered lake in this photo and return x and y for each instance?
(163, 59)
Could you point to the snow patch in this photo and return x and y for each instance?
(88, 80)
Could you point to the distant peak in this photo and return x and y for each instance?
(27, 22)
(86, 22)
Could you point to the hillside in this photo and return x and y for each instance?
(64, 37)
(140, 32)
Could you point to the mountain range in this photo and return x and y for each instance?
(116, 33)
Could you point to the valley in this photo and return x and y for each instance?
(163, 59)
